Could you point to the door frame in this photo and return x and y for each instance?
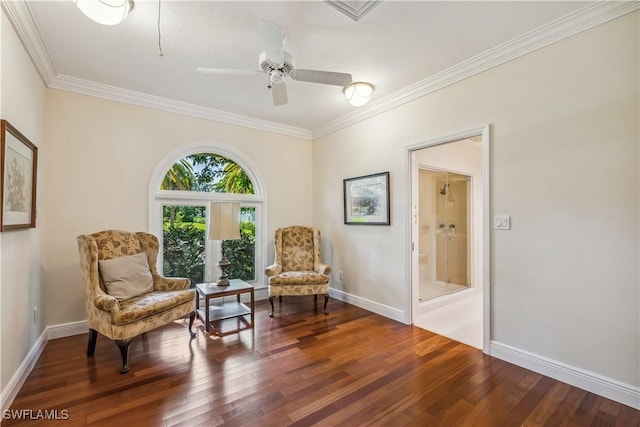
(410, 294)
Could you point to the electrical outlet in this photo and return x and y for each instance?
(35, 314)
(340, 275)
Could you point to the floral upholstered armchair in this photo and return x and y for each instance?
(125, 295)
(297, 269)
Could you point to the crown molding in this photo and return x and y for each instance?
(24, 23)
(87, 87)
(574, 23)
(353, 9)
(22, 19)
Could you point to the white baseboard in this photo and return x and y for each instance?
(261, 293)
(375, 307)
(67, 329)
(589, 381)
(15, 384)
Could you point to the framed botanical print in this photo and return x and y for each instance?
(18, 173)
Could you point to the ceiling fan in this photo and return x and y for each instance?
(277, 64)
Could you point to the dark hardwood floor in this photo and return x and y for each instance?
(301, 368)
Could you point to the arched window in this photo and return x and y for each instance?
(181, 188)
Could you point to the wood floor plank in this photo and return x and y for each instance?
(541, 414)
(627, 417)
(348, 368)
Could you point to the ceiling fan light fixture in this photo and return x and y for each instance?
(358, 93)
(105, 12)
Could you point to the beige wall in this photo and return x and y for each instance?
(103, 154)
(21, 264)
(565, 131)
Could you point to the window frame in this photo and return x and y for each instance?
(159, 198)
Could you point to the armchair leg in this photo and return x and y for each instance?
(123, 345)
(93, 337)
(271, 302)
(192, 317)
(326, 300)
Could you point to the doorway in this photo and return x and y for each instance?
(449, 251)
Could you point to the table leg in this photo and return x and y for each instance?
(207, 301)
(252, 307)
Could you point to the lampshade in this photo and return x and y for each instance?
(105, 12)
(358, 93)
(224, 221)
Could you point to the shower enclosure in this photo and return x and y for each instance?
(444, 244)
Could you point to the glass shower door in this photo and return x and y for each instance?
(447, 214)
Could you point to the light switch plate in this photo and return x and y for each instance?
(502, 222)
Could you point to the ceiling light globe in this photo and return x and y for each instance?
(358, 93)
(105, 12)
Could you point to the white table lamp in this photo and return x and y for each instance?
(224, 224)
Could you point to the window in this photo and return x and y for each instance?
(182, 187)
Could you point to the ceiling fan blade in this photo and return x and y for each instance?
(272, 41)
(324, 77)
(229, 71)
(279, 92)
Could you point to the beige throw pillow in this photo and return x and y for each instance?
(127, 276)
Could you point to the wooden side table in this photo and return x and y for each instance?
(225, 310)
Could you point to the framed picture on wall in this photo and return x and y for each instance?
(18, 169)
(366, 200)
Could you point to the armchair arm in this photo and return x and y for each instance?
(324, 269)
(170, 284)
(273, 269)
(106, 302)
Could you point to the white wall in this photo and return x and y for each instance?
(22, 99)
(101, 159)
(565, 131)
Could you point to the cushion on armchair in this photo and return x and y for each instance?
(126, 276)
(146, 305)
(298, 278)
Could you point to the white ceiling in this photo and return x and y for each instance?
(397, 46)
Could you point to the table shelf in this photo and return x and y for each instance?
(225, 310)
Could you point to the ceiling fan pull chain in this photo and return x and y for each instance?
(159, 35)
